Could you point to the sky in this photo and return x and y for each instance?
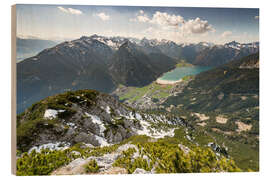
(179, 24)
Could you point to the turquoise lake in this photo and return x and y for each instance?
(181, 72)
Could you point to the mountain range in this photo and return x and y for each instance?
(205, 123)
(27, 47)
(102, 63)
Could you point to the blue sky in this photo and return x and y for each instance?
(64, 22)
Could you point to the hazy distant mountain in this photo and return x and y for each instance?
(218, 55)
(31, 46)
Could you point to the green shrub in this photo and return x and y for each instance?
(169, 158)
(92, 167)
(42, 163)
(125, 161)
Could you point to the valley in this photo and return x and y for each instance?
(102, 63)
(117, 89)
(99, 105)
(230, 114)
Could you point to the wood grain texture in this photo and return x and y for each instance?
(13, 88)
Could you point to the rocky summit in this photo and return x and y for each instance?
(87, 116)
(88, 132)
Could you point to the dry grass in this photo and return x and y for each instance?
(224, 132)
(202, 117)
(202, 124)
(242, 126)
(221, 119)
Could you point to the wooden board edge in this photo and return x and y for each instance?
(13, 88)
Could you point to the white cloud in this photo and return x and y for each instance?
(159, 18)
(175, 23)
(103, 16)
(256, 17)
(140, 17)
(143, 18)
(74, 11)
(62, 9)
(196, 26)
(226, 33)
(149, 30)
(70, 10)
(166, 19)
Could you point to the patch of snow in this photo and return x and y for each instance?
(108, 109)
(205, 44)
(131, 116)
(138, 116)
(52, 113)
(76, 153)
(136, 154)
(162, 133)
(155, 133)
(87, 114)
(110, 43)
(145, 130)
(96, 120)
(72, 125)
(188, 137)
(89, 145)
(234, 47)
(126, 147)
(102, 141)
(51, 146)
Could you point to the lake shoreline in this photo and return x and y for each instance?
(176, 75)
(164, 82)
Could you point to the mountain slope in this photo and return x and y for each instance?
(86, 116)
(94, 62)
(71, 65)
(131, 67)
(228, 80)
(29, 47)
(219, 55)
(65, 133)
(223, 102)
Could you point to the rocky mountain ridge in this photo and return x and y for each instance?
(89, 117)
(88, 132)
(99, 62)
